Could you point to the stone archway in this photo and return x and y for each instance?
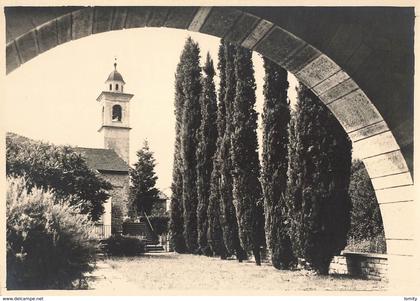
(384, 156)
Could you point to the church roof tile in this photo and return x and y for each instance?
(103, 159)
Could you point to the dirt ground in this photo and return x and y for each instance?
(181, 272)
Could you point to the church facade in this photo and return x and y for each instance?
(112, 161)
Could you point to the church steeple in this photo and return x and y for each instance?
(115, 106)
(115, 82)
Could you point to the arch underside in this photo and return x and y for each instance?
(365, 125)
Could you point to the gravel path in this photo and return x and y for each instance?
(171, 272)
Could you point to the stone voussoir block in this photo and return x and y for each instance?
(102, 20)
(279, 45)
(262, 28)
(82, 24)
(199, 18)
(242, 28)
(12, 57)
(317, 70)
(180, 17)
(157, 16)
(47, 36)
(64, 28)
(387, 164)
(27, 46)
(220, 20)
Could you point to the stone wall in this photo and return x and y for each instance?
(119, 197)
(365, 265)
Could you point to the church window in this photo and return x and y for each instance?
(116, 87)
(110, 87)
(116, 113)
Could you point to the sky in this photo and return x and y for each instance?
(53, 97)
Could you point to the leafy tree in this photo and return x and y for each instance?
(143, 180)
(319, 173)
(245, 163)
(276, 117)
(176, 223)
(228, 218)
(60, 169)
(191, 116)
(205, 151)
(366, 219)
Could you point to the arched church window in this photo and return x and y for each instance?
(116, 87)
(116, 113)
(110, 87)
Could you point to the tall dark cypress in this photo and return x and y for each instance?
(228, 217)
(276, 117)
(247, 193)
(191, 116)
(215, 230)
(205, 151)
(317, 192)
(176, 223)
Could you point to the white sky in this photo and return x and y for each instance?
(53, 97)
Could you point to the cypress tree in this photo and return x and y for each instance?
(176, 223)
(246, 166)
(191, 116)
(276, 117)
(205, 151)
(214, 230)
(318, 184)
(143, 180)
(228, 217)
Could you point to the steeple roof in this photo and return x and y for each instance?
(115, 75)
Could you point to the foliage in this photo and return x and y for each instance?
(123, 245)
(59, 169)
(245, 163)
(276, 117)
(49, 243)
(223, 180)
(143, 180)
(176, 224)
(318, 179)
(190, 125)
(214, 230)
(366, 231)
(160, 224)
(206, 148)
(366, 219)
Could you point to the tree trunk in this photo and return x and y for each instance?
(257, 256)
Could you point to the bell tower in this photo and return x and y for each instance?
(115, 106)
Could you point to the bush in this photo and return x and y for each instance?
(49, 244)
(375, 244)
(122, 245)
(160, 224)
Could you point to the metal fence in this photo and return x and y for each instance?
(103, 231)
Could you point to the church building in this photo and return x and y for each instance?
(112, 161)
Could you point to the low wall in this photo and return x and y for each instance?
(365, 265)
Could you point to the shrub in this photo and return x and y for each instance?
(122, 245)
(375, 244)
(160, 224)
(49, 244)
